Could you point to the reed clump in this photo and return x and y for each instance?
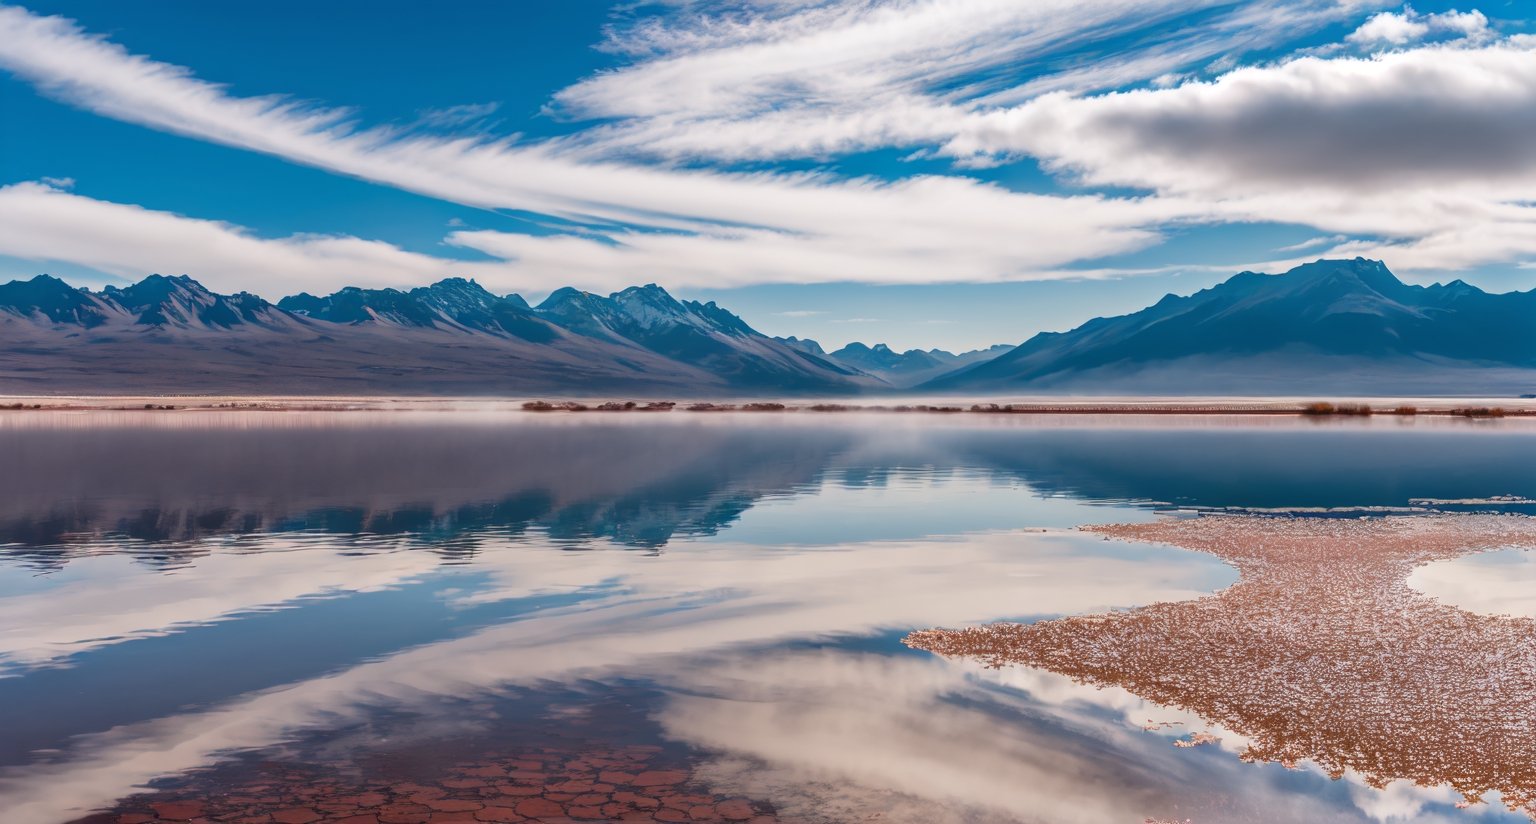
(1324, 408)
(1479, 411)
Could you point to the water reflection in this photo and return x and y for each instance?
(1493, 583)
(162, 480)
(179, 590)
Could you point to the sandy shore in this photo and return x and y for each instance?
(1321, 652)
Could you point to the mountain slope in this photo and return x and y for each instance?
(701, 334)
(451, 304)
(1325, 324)
(912, 367)
(169, 334)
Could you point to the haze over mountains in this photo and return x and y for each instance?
(1330, 326)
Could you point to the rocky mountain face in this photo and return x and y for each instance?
(1334, 325)
(453, 337)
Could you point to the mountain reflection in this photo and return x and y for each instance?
(157, 484)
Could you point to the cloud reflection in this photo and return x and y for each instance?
(646, 616)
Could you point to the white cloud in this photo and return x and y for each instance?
(1428, 147)
(1313, 243)
(38, 222)
(725, 229)
(1433, 115)
(463, 115)
(1397, 29)
(837, 77)
(41, 223)
(1389, 27)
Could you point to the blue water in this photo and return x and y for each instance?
(179, 591)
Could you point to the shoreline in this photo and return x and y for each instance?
(1482, 408)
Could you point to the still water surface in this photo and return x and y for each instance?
(191, 599)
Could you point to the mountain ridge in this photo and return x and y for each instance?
(449, 336)
(1328, 315)
(1325, 326)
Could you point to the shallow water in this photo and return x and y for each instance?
(196, 604)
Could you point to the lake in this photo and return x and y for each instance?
(399, 617)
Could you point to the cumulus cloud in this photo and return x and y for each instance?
(1388, 27)
(1403, 120)
(1428, 147)
(1407, 26)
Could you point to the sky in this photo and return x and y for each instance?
(925, 173)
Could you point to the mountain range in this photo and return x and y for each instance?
(1329, 326)
(453, 337)
(912, 367)
(1346, 326)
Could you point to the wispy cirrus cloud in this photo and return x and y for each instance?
(43, 223)
(760, 227)
(1423, 146)
(815, 79)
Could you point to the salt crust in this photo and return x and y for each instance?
(1320, 652)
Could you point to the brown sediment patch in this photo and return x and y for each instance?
(609, 783)
(1320, 652)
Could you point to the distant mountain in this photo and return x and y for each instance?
(170, 334)
(1333, 325)
(702, 334)
(912, 367)
(804, 345)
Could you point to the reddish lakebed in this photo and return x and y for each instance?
(1321, 653)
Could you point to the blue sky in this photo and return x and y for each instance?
(946, 173)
